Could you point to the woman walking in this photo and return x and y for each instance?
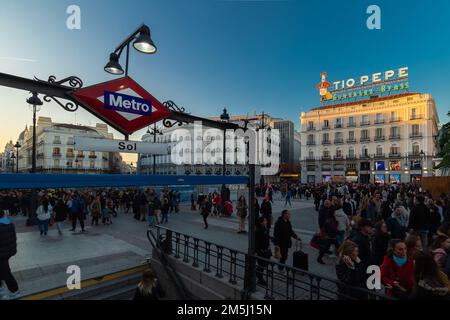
(242, 213)
(96, 210)
(44, 213)
(149, 288)
(205, 209)
(350, 271)
(61, 211)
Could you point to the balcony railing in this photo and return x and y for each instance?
(338, 125)
(380, 138)
(310, 143)
(394, 137)
(57, 142)
(415, 154)
(351, 157)
(92, 156)
(379, 121)
(365, 123)
(80, 156)
(70, 155)
(416, 117)
(326, 128)
(364, 156)
(351, 140)
(338, 141)
(56, 155)
(416, 135)
(365, 139)
(395, 155)
(311, 129)
(309, 158)
(326, 158)
(338, 157)
(379, 155)
(351, 125)
(326, 142)
(394, 119)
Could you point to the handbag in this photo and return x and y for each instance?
(318, 241)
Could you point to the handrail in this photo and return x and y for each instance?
(236, 258)
(181, 288)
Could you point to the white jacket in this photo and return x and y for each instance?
(42, 215)
(342, 219)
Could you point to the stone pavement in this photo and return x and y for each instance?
(41, 262)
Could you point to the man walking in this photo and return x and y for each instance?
(288, 198)
(420, 220)
(283, 233)
(77, 212)
(8, 248)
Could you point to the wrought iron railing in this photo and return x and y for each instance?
(279, 281)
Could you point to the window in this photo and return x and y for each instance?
(351, 135)
(365, 119)
(326, 124)
(338, 136)
(326, 137)
(57, 140)
(365, 166)
(365, 151)
(415, 148)
(338, 122)
(80, 154)
(379, 132)
(310, 125)
(69, 152)
(413, 112)
(69, 164)
(395, 150)
(364, 134)
(311, 139)
(338, 153)
(56, 163)
(415, 129)
(351, 152)
(379, 118)
(394, 131)
(393, 116)
(92, 164)
(351, 121)
(379, 150)
(56, 152)
(311, 153)
(326, 153)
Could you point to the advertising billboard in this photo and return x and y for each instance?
(380, 179)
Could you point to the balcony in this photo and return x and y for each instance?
(416, 135)
(339, 158)
(338, 125)
(326, 142)
(395, 155)
(364, 156)
(351, 157)
(394, 137)
(310, 143)
(351, 125)
(70, 155)
(379, 121)
(395, 119)
(379, 156)
(380, 138)
(311, 129)
(365, 123)
(309, 158)
(338, 141)
(416, 117)
(326, 158)
(326, 128)
(351, 140)
(364, 139)
(57, 142)
(56, 155)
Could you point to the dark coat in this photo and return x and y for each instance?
(266, 211)
(350, 277)
(61, 211)
(380, 246)
(262, 241)
(364, 245)
(283, 233)
(8, 240)
(156, 293)
(323, 215)
(396, 229)
(428, 289)
(420, 218)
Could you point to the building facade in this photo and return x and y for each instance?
(380, 140)
(7, 161)
(56, 151)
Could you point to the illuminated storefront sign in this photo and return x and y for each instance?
(381, 83)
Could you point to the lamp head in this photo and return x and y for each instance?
(144, 42)
(113, 66)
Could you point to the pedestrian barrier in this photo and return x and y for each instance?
(279, 281)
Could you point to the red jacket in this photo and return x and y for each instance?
(391, 272)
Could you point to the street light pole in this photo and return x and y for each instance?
(17, 146)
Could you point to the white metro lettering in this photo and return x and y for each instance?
(126, 103)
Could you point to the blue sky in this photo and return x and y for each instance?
(245, 55)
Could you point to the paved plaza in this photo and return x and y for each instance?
(41, 262)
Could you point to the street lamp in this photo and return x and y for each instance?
(17, 146)
(154, 131)
(13, 156)
(224, 117)
(422, 154)
(35, 102)
(142, 42)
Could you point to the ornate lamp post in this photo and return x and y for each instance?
(17, 146)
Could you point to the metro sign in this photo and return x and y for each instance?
(123, 104)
